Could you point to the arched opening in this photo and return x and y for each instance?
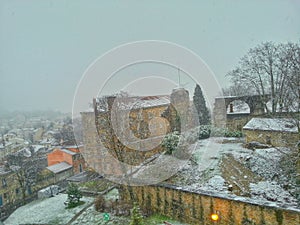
(237, 106)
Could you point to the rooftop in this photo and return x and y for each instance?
(68, 151)
(137, 102)
(269, 124)
(60, 167)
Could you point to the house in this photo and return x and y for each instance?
(61, 171)
(9, 189)
(272, 131)
(65, 162)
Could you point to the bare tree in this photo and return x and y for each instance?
(104, 124)
(269, 69)
(26, 169)
(274, 69)
(66, 134)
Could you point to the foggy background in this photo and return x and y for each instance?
(45, 46)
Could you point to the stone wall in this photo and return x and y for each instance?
(137, 133)
(196, 208)
(236, 122)
(8, 209)
(274, 138)
(94, 152)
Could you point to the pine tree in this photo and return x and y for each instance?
(136, 216)
(200, 105)
(74, 195)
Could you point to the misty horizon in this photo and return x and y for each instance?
(47, 46)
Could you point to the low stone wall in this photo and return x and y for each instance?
(237, 121)
(196, 208)
(274, 138)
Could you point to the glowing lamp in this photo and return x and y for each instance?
(214, 217)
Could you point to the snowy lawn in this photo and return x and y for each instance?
(46, 211)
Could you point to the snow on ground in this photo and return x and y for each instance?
(272, 192)
(46, 211)
(264, 162)
(52, 211)
(92, 217)
(204, 171)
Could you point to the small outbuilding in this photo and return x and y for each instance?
(275, 132)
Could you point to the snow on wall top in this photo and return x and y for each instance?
(137, 102)
(268, 124)
(151, 101)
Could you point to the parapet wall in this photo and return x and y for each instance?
(197, 207)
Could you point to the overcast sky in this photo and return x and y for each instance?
(45, 46)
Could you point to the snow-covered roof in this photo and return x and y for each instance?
(51, 132)
(80, 177)
(51, 141)
(25, 151)
(139, 102)
(69, 152)
(150, 101)
(37, 147)
(269, 124)
(73, 146)
(3, 170)
(59, 167)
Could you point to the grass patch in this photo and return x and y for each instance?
(56, 221)
(71, 206)
(157, 219)
(96, 185)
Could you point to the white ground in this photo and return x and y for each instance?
(52, 211)
(45, 211)
(203, 173)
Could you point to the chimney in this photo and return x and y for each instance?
(110, 101)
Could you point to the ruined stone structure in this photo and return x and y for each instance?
(126, 130)
(236, 121)
(197, 207)
(149, 119)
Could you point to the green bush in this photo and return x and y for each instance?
(204, 131)
(170, 142)
(236, 134)
(217, 132)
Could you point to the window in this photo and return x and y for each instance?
(4, 184)
(29, 190)
(80, 168)
(239, 127)
(268, 140)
